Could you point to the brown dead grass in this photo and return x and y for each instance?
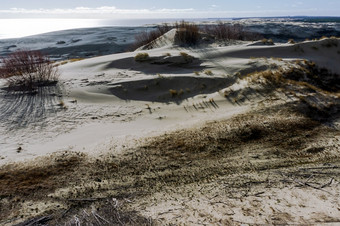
(26, 180)
(280, 137)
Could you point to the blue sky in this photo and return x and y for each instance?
(165, 8)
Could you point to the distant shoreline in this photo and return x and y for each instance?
(21, 28)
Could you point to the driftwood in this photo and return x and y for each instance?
(84, 200)
(320, 168)
(37, 221)
(306, 183)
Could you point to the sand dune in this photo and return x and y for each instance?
(182, 127)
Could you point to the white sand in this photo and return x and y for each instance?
(109, 97)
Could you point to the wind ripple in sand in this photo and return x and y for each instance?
(41, 117)
(19, 110)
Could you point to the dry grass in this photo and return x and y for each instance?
(24, 181)
(307, 75)
(173, 92)
(291, 41)
(141, 57)
(184, 157)
(267, 41)
(188, 58)
(75, 60)
(208, 72)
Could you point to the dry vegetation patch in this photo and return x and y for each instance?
(279, 137)
(25, 70)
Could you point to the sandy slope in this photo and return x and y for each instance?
(75, 43)
(110, 105)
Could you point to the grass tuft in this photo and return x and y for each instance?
(208, 72)
(291, 41)
(140, 57)
(173, 92)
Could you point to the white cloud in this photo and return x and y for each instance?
(113, 12)
(98, 10)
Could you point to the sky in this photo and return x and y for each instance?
(124, 9)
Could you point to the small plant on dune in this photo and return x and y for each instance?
(188, 58)
(140, 57)
(173, 92)
(196, 72)
(26, 70)
(63, 62)
(208, 72)
(291, 41)
(167, 54)
(62, 105)
(267, 41)
(184, 54)
(276, 58)
(75, 59)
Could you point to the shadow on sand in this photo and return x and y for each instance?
(158, 65)
(19, 109)
(166, 89)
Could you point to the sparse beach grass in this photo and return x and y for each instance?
(75, 182)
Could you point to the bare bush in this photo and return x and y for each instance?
(26, 70)
(187, 33)
(225, 32)
(146, 37)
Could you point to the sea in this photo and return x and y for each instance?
(18, 28)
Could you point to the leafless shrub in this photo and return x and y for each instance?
(26, 70)
(187, 33)
(225, 32)
(146, 37)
